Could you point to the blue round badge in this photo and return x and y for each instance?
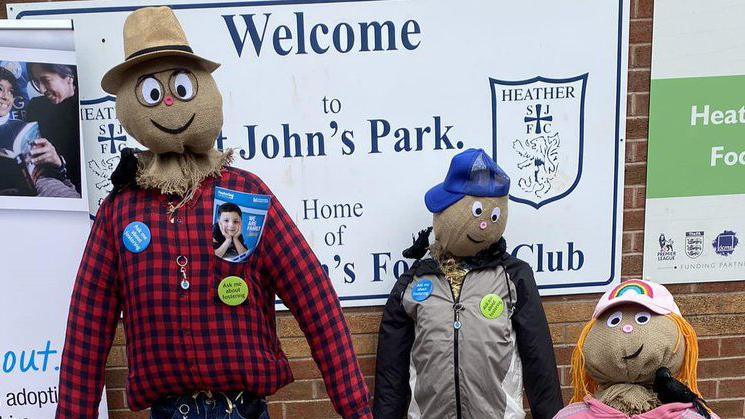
(136, 237)
(421, 290)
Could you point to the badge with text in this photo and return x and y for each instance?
(492, 306)
(421, 290)
(238, 222)
(232, 290)
(136, 237)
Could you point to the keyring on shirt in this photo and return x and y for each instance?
(182, 261)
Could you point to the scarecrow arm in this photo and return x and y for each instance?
(288, 262)
(395, 339)
(91, 323)
(534, 344)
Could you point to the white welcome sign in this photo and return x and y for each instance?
(351, 110)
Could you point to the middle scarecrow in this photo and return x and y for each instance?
(465, 328)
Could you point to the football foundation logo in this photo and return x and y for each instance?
(725, 243)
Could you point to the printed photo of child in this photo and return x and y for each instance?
(227, 232)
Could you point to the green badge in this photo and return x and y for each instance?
(492, 306)
(232, 290)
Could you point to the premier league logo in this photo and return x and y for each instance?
(666, 249)
(537, 127)
(694, 244)
(725, 243)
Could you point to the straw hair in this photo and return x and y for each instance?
(583, 385)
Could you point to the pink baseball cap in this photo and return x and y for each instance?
(653, 296)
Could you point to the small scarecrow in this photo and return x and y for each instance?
(200, 327)
(636, 358)
(463, 330)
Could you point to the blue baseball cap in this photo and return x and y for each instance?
(471, 172)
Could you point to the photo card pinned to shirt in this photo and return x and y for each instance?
(237, 223)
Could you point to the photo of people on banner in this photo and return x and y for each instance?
(237, 223)
(39, 129)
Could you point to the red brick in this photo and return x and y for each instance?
(128, 414)
(116, 399)
(276, 410)
(117, 357)
(627, 243)
(633, 219)
(636, 174)
(719, 287)
(563, 313)
(116, 378)
(729, 389)
(299, 390)
(718, 325)
(637, 128)
(698, 304)
(641, 56)
(636, 151)
(727, 367)
(640, 31)
(316, 409)
(631, 265)
(642, 9)
(641, 104)
(304, 369)
(563, 354)
(708, 348)
(639, 81)
(708, 389)
(733, 346)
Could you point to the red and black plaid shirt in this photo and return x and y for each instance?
(180, 341)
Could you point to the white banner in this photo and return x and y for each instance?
(696, 157)
(39, 250)
(351, 110)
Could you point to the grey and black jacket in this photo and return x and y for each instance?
(441, 357)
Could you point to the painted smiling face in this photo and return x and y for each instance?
(471, 225)
(629, 343)
(170, 104)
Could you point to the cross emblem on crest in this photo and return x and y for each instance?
(538, 119)
(112, 139)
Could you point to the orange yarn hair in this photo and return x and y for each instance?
(584, 385)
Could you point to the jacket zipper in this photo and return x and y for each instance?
(457, 308)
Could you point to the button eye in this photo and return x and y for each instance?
(495, 214)
(642, 317)
(149, 91)
(477, 209)
(183, 85)
(615, 319)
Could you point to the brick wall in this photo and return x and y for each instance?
(716, 310)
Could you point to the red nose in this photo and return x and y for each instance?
(168, 101)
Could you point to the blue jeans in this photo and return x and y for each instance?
(228, 405)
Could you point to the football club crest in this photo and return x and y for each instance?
(105, 139)
(694, 244)
(537, 130)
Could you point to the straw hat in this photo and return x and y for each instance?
(149, 33)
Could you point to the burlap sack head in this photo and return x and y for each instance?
(470, 225)
(627, 344)
(170, 104)
(168, 101)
